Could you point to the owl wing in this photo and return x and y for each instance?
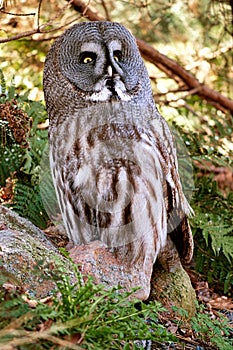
(177, 206)
(179, 229)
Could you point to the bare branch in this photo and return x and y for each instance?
(108, 17)
(38, 14)
(19, 36)
(17, 14)
(166, 64)
(86, 11)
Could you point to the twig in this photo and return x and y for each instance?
(19, 36)
(86, 7)
(190, 109)
(105, 10)
(17, 14)
(85, 10)
(38, 14)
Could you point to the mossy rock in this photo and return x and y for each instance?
(28, 258)
(173, 289)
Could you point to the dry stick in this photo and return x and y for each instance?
(105, 7)
(38, 14)
(17, 14)
(167, 65)
(19, 36)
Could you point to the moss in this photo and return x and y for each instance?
(27, 255)
(173, 289)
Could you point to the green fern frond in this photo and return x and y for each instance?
(213, 233)
(21, 149)
(27, 202)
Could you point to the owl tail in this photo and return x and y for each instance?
(183, 239)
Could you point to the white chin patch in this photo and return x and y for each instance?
(122, 94)
(105, 95)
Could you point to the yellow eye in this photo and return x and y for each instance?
(87, 60)
(87, 57)
(117, 55)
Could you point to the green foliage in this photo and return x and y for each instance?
(217, 331)
(83, 315)
(209, 142)
(27, 202)
(96, 318)
(213, 233)
(109, 319)
(213, 221)
(21, 149)
(213, 331)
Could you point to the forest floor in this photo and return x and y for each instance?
(214, 303)
(215, 306)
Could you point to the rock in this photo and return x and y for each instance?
(27, 257)
(97, 260)
(173, 289)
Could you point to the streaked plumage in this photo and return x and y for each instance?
(112, 155)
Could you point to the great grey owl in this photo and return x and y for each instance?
(112, 155)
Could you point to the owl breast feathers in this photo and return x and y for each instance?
(112, 155)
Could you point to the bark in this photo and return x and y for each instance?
(170, 67)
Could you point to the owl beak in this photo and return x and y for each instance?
(110, 81)
(110, 71)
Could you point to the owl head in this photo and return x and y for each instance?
(96, 62)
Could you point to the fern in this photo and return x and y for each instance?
(217, 331)
(21, 149)
(96, 318)
(27, 202)
(208, 138)
(213, 233)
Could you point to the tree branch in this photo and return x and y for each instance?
(19, 36)
(86, 11)
(170, 67)
(173, 69)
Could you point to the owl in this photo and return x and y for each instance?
(113, 158)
